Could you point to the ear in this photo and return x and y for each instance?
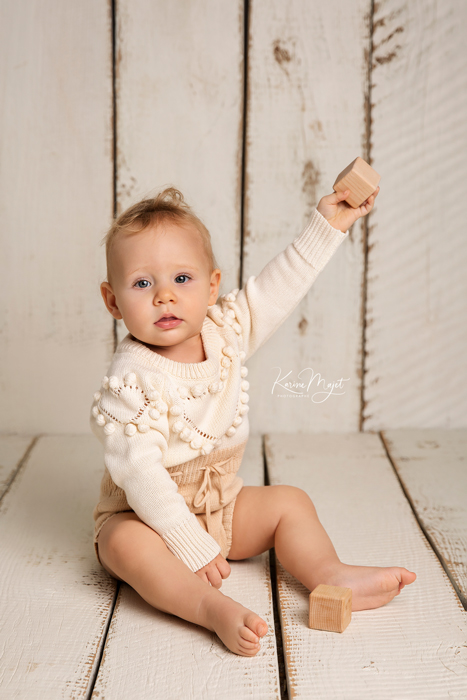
(214, 287)
(110, 300)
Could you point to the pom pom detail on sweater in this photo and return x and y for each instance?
(113, 383)
(197, 390)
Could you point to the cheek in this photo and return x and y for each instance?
(135, 308)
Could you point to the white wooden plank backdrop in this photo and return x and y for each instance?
(179, 116)
(180, 112)
(306, 122)
(56, 200)
(417, 286)
(432, 466)
(56, 599)
(150, 654)
(414, 647)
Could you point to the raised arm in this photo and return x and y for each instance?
(266, 301)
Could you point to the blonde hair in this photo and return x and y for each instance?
(168, 205)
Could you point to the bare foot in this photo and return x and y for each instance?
(372, 586)
(239, 628)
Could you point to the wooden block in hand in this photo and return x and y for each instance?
(360, 179)
(330, 608)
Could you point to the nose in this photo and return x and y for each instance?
(164, 294)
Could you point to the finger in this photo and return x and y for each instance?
(371, 199)
(336, 197)
(215, 579)
(224, 568)
(203, 576)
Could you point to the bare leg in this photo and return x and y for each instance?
(133, 552)
(284, 517)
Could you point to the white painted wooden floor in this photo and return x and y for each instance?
(69, 630)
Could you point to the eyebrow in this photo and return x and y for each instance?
(181, 267)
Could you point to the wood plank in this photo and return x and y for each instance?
(414, 647)
(417, 257)
(431, 465)
(56, 201)
(149, 654)
(13, 449)
(307, 83)
(56, 600)
(180, 112)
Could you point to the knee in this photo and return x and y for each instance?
(292, 497)
(118, 539)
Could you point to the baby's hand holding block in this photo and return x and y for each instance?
(360, 179)
(330, 608)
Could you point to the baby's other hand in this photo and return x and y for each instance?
(215, 571)
(340, 214)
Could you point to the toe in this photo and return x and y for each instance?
(406, 577)
(259, 626)
(249, 652)
(249, 645)
(256, 625)
(247, 635)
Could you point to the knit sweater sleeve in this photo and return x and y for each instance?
(134, 445)
(267, 300)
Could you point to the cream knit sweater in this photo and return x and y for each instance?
(152, 412)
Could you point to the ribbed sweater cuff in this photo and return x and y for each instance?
(192, 544)
(318, 241)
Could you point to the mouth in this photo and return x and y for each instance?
(168, 321)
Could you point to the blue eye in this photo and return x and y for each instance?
(142, 284)
(177, 278)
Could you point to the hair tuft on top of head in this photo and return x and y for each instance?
(168, 205)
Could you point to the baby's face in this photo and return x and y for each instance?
(162, 270)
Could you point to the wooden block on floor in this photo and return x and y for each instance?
(360, 179)
(330, 608)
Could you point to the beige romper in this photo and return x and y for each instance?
(208, 484)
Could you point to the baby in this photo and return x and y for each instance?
(173, 418)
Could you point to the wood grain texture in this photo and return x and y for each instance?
(432, 466)
(306, 122)
(149, 654)
(56, 201)
(13, 449)
(180, 112)
(414, 647)
(56, 600)
(416, 335)
(330, 608)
